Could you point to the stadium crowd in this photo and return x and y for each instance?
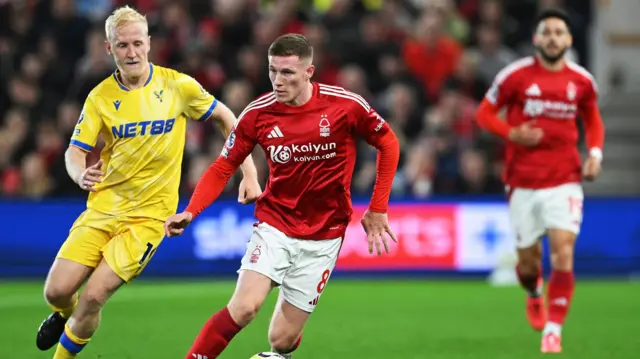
(423, 64)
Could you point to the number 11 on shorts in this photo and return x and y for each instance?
(148, 253)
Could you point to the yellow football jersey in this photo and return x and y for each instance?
(144, 132)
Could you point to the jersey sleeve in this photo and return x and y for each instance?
(377, 132)
(85, 134)
(590, 112)
(241, 140)
(502, 89)
(369, 124)
(590, 95)
(199, 103)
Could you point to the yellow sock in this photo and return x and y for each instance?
(66, 312)
(70, 345)
(62, 353)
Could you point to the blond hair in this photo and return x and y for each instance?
(121, 16)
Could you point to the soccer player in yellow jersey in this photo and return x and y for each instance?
(141, 112)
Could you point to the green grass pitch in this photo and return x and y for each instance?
(355, 319)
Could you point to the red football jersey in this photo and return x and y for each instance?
(529, 92)
(311, 152)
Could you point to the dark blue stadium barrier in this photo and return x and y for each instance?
(438, 237)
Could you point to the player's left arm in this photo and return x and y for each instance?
(594, 130)
(376, 131)
(594, 127)
(202, 106)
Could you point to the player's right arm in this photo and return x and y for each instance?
(240, 143)
(202, 105)
(499, 95)
(85, 136)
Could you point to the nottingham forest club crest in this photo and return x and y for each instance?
(325, 131)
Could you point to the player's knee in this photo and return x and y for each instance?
(283, 341)
(529, 262)
(243, 312)
(57, 295)
(562, 258)
(92, 300)
(562, 243)
(529, 266)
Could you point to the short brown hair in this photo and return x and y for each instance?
(291, 45)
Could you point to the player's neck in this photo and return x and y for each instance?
(552, 66)
(304, 96)
(133, 83)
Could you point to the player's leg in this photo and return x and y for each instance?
(78, 255)
(301, 289)
(124, 258)
(102, 284)
(285, 330)
(61, 286)
(524, 211)
(529, 271)
(563, 217)
(263, 266)
(251, 291)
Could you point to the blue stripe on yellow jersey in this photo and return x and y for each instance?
(144, 132)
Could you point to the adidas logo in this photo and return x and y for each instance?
(562, 301)
(533, 90)
(199, 356)
(275, 133)
(314, 301)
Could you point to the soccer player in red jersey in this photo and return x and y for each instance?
(543, 95)
(309, 133)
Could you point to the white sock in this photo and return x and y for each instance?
(284, 355)
(552, 328)
(537, 293)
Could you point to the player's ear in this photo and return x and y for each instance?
(536, 31)
(535, 38)
(107, 46)
(310, 70)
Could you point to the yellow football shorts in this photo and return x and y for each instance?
(126, 243)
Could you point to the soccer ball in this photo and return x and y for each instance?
(268, 355)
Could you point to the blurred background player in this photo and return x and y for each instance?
(308, 133)
(543, 95)
(141, 112)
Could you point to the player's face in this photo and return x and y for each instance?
(289, 75)
(552, 39)
(130, 49)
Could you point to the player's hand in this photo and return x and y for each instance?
(376, 225)
(526, 134)
(175, 225)
(249, 190)
(592, 167)
(91, 176)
